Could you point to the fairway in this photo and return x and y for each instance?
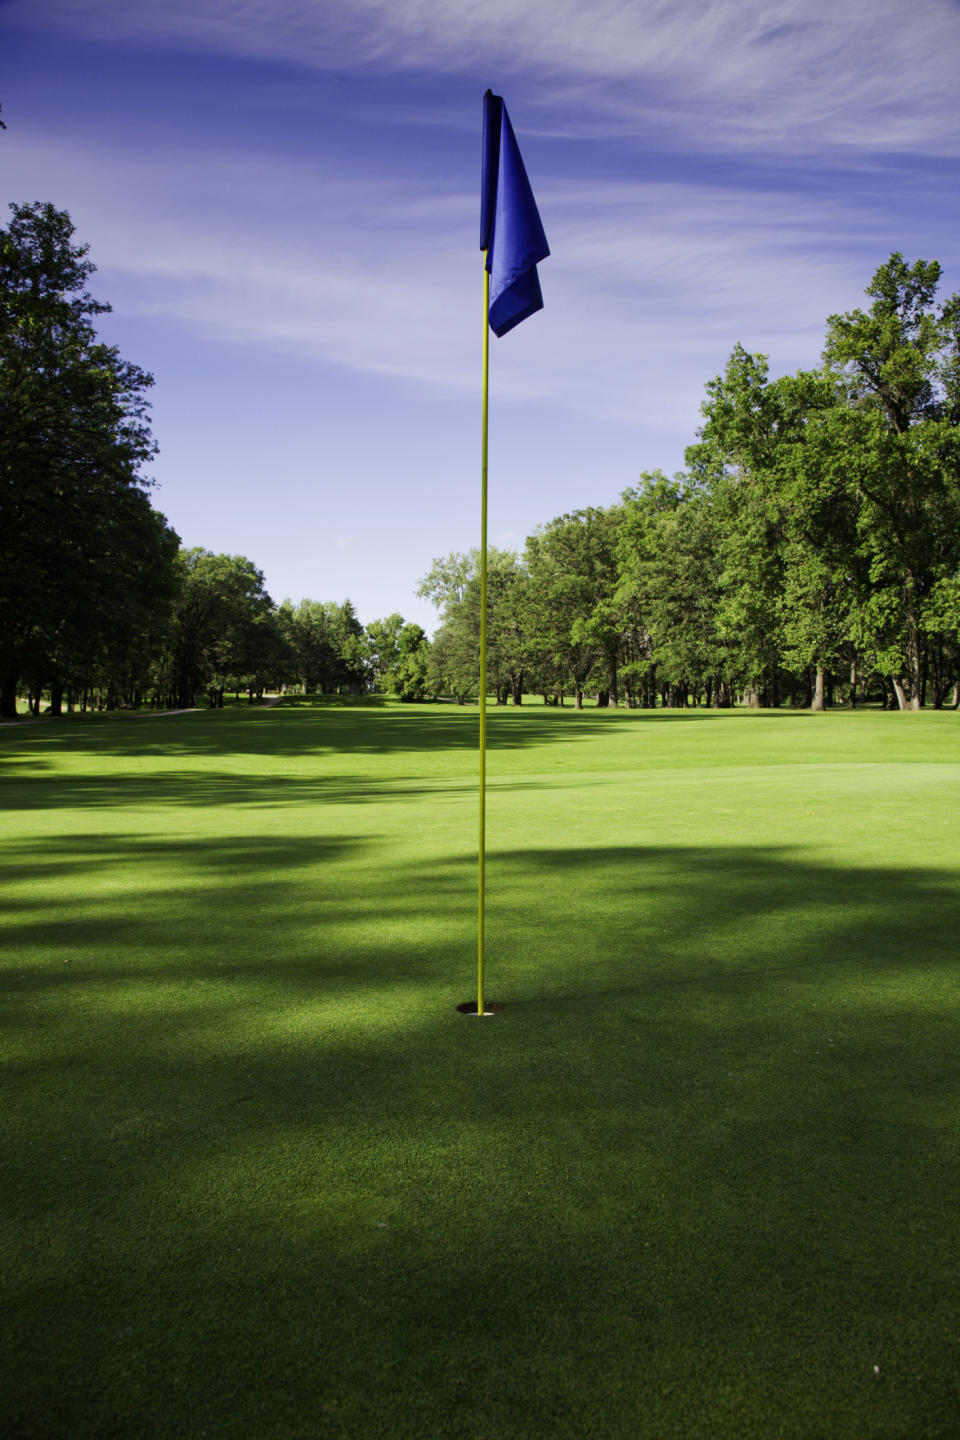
(701, 1176)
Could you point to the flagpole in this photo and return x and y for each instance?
(482, 696)
(512, 238)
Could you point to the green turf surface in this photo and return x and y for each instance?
(699, 1178)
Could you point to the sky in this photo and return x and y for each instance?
(282, 201)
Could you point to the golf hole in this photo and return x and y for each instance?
(490, 1007)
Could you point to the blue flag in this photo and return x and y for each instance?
(510, 227)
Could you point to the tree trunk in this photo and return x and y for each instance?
(578, 698)
(913, 662)
(807, 689)
(614, 684)
(56, 700)
(903, 700)
(818, 703)
(8, 696)
(935, 659)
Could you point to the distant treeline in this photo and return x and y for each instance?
(809, 554)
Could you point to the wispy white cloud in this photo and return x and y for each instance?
(357, 277)
(649, 286)
(775, 75)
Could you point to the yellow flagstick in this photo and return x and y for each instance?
(482, 697)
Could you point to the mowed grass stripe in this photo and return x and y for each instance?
(700, 1177)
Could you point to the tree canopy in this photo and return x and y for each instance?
(85, 563)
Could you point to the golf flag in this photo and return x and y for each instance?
(513, 244)
(510, 229)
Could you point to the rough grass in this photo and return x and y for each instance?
(699, 1178)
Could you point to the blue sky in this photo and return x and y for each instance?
(281, 198)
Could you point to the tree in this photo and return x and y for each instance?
(307, 627)
(579, 619)
(77, 527)
(216, 626)
(453, 584)
(668, 549)
(409, 677)
(328, 646)
(381, 647)
(346, 638)
(445, 583)
(129, 591)
(785, 520)
(899, 364)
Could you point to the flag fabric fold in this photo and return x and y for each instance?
(511, 231)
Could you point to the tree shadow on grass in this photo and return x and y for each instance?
(345, 730)
(699, 1178)
(207, 787)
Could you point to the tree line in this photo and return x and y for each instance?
(808, 554)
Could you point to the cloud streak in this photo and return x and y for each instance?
(790, 77)
(649, 286)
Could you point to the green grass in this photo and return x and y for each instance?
(699, 1178)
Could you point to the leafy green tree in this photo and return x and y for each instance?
(130, 596)
(308, 629)
(381, 649)
(410, 675)
(669, 574)
(898, 442)
(445, 583)
(83, 558)
(577, 613)
(735, 459)
(216, 625)
(786, 522)
(346, 637)
(453, 584)
(327, 641)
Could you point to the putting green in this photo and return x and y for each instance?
(700, 1177)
